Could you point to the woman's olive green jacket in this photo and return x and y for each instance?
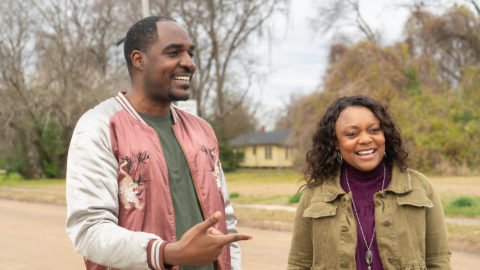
(409, 221)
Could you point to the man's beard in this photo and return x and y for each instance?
(173, 97)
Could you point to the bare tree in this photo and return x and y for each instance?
(451, 40)
(334, 16)
(476, 6)
(73, 55)
(56, 64)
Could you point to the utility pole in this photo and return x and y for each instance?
(145, 9)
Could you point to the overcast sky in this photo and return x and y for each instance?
(297, 57)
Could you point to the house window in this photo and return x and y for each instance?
(286, 152)
(254, 150)
(268, 152)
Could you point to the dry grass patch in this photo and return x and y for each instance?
(56, 195)
(456, 186)
(265, 219)
(464, 237)
(43, 190)
(273, 186)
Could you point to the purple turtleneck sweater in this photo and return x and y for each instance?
(364, 185)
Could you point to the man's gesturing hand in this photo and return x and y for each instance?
(201, 244)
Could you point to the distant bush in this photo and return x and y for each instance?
(234, 195)
(464, 202)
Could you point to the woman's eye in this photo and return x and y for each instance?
(375, 130)
(351, 134)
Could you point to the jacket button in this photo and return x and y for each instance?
(387, 223)
(343, 229)
(390, 259)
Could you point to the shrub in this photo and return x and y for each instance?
(464, 202)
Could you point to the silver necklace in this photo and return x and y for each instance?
(368, 254)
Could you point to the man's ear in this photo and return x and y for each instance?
(138, 59)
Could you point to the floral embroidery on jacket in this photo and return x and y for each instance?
(130, 188)
(214, 163)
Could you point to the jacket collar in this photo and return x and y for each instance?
(129, 108)
(400, 183)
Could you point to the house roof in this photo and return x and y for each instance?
(278, 137)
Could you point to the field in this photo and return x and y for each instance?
(279, 187)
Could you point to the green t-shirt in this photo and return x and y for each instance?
(188, 211)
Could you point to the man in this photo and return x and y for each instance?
(145, 189)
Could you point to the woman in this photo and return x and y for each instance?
(362, 208)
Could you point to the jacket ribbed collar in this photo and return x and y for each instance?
(129, 108)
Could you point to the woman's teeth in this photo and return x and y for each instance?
(366, 152)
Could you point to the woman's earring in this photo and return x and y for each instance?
(385, 154)
(339, 157)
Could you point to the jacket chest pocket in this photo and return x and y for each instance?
(414, 206)
(325, 234)
(411, 225)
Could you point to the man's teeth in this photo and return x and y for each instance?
(366, 152)
(183, 78)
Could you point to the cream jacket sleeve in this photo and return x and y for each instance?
(92, 200)
(235, 254)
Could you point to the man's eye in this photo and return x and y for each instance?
(172, 53)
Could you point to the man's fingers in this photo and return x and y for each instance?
(212, 220)
(214, 231)
(229, 238)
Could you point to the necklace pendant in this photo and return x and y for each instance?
(368, 257)
(369, 267)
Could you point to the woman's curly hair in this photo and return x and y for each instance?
(322, 161)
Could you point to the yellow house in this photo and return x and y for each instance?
(265, 149)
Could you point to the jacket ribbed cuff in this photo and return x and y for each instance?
(155, 250)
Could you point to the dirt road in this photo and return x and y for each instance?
(32, 236)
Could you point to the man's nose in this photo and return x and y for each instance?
(187, 62)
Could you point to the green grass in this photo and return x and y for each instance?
(17, 180)
(15, 187)
(295, 198)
